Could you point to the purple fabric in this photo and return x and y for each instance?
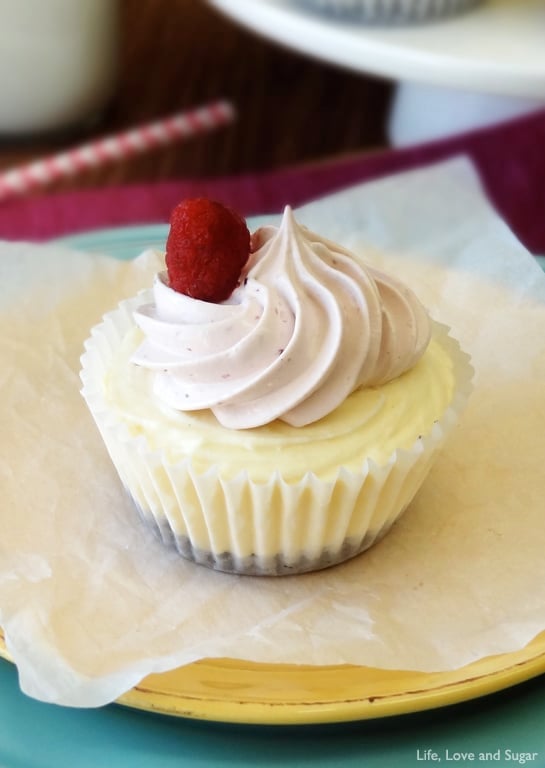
(509, 157)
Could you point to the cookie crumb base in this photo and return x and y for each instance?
(253, 564)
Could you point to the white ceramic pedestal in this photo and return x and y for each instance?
(422, 113)
(482, 66)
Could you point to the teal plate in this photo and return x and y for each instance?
(497, 714)
(120, 242)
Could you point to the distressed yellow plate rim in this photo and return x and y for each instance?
(233, 691)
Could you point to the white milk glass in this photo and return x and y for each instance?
(58, 63)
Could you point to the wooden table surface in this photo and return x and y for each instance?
(175, 54)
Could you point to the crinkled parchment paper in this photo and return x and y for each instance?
(90, 602)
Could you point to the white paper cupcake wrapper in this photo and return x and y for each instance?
(242, 526)
(387, 11)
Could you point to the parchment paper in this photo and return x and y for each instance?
(90, 602)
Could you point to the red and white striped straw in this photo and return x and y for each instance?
(26, 178)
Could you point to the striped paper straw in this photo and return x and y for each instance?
(26, 178)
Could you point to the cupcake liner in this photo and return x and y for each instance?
(238, 525)
(387, 11)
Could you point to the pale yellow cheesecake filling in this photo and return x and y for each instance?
(372, 422)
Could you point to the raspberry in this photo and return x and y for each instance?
(207, 247)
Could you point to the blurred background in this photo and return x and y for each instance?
(174, 54)
(342, 103)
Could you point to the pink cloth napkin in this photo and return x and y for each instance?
(509, 157)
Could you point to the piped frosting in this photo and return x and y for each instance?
(308, 324)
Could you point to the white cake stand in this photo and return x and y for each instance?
(480, 67)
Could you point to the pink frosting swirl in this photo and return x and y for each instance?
(308, 324)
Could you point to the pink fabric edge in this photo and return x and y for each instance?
(509, 158)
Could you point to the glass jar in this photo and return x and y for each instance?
(58, 63)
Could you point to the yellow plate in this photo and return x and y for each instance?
(226, 690)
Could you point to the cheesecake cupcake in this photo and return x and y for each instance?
(271, 404)
(386, 11)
